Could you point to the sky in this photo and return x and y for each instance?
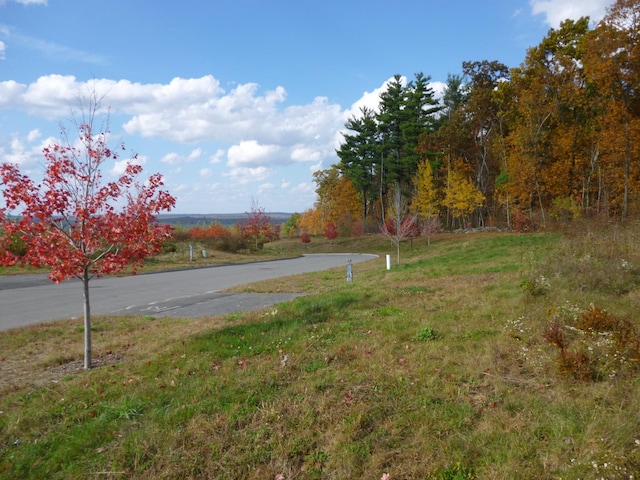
(238, 102)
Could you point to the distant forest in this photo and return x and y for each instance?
(224, 219)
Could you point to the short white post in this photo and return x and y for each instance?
(388, 262)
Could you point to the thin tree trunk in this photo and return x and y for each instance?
(627, 162)
(87, 321)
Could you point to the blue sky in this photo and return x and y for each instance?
(238, 102)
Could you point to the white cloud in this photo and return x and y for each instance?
(244, 175)
(217, 157)
(250, 153)
(306, 154)
(265, 187)
(23, 151)
(194, 110)
(32, 2)
(195, 154)
(3, 49)
(315, 167)
(556, 11)
(303, 188)
(205, 173)
(285, 184)
(33, 135)
(173, 158)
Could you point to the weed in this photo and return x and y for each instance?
(425, 334)
(536, 286)
(456, 472)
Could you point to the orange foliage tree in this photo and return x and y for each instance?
(338, 201)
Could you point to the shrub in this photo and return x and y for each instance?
(594, 344)
(169, 247)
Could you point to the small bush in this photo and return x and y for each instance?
(169, 247)
(594, 344)
(232, 244)
(537, 286)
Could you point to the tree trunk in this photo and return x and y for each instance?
(627, 162)
(87, 320)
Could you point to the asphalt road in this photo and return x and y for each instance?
(30, 299)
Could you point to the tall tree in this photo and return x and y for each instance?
(75, 224)
(482, 112)
(359, 157)
(612, 61)
(406, 113)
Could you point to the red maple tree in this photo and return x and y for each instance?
(258, 226)
(331, 231)
(75, 224)
(305, 238)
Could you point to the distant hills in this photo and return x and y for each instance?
(225, 219)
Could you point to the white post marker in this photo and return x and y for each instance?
(388, 262)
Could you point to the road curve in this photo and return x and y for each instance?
(30, 299)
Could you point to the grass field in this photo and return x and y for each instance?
(481, 356)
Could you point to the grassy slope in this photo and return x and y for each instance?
(435, 369)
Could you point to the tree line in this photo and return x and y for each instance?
(556, 137)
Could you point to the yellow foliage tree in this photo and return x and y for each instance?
(462, 197)
(310, 222)
(426, 201)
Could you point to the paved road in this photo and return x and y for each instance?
(29, 299)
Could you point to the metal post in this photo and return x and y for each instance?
(349, 272)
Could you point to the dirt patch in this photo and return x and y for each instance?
(17, 375)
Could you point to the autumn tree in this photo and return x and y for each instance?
(258, 226)
(551, 126)
(310, 221)
(305, 239)
(482, 110)
(426, 202)
(380, 149)
(289, 228)
(76, 224)
(337, 199)
(331, 231)
(462, 197)
(400, 224)
(612, 62)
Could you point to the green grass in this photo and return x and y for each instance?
(436, 369)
